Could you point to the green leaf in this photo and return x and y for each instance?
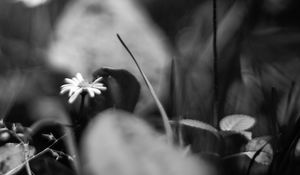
(266, 154)
(12, 155)
(246, 134)
(199, 125)
(237, 122)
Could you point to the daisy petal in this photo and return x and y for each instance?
(73, 90)
(91, 93)
(103, 88)
(74, 95)
(70, 93)
(97, 91)
(98, 85)
(79, 77)
(76, 81)
(63, 91)
(97, 80)
(66, 85)
(68, 80)
(72, 98)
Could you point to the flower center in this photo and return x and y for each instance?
(84, 84)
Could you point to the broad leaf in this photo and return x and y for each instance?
(263, 157)
(120, 143)
(266, 154)
(123, 89)
(237, 122)
(12, 156)
(246, 134)
(199, 125)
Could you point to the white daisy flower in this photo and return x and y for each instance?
(78, 85)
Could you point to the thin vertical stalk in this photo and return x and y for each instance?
(215, 66)
(165, 119)
(174, 102)
(81, 116)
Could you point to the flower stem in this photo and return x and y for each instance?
(81, 111)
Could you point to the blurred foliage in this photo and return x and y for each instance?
(258, 69)
(119, 143)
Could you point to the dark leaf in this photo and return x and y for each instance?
(232, 142)
(123, 90)
(239, 163)
(49, 166)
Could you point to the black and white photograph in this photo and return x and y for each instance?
(149, 87)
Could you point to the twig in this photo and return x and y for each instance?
(12, 171)
(69, 140)
(26, 150)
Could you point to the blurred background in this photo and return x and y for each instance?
(44, 41)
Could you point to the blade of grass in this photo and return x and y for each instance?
(274, 116)
(290, 100)
(162, 111)
(215, 67)
(173, 97)
(291, 140)
(175, 107)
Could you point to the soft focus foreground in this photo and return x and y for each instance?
(120, 143)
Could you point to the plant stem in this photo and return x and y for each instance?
(215, 54)
(26, 150)
(81, 116)
(12, 171)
